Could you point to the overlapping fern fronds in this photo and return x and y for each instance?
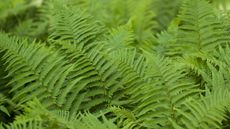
(86, 64)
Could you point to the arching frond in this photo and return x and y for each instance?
(132, 67)
(168, 89)
(98, 76)
(206, 113)
(73, 24)
(38, 117)
(200, 29)
(35, 70)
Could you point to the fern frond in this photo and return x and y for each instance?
(125, 118)
(36, 71)
(132, 66)
(222, 54)
(200, 29)
(35, 111)
(168, 89)
(206, 113)
(41, 72)
(121, 37)
(73, 24)
(2, 107)
(129, 57)
(166, 41)
(140, 12)
(28, 124)
(165, 12)
(207, 69)
(88, 121)
(99, 78)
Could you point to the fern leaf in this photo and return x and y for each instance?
(168, 90)
(73, 24)
(31, 124)
(201, 30)
(207, 113)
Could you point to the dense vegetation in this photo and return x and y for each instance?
(114, 64)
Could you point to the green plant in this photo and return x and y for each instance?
(129, 64)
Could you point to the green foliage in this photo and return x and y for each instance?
(109, 64)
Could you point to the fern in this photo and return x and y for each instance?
(119, 38)
(38, 117)
(32, 124)
(27, 72)
(206, 113)
(200, 29)
(86, 64)
(74, 25)
(97, 74)
(165, 12)
(168, 89)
